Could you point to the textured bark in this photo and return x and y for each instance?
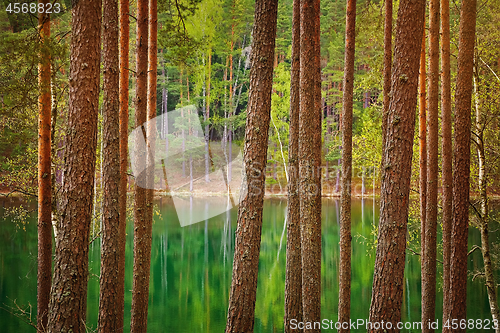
(142, 225)
(431, 212)
(461, 165)
(241, 310)
(310, 160)
(68, 301)
(422, 132)
(124, 118)
(387, 67)
(293, 281)
(44, 176)
(110, 239)
(483, 215)
(387, 288)
(345, 197)
(447, 173)
(151, 102)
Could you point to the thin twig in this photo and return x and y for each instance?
(474, 248)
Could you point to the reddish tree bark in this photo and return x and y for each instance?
(151, 101)
(447, 173)
(124, 118)
(429, 254)
(422, 132)
(110, 239)
(461, 165)
(68, 301)
(44, 274)
(241, 310)
(142, 225)
(293, 281)
(345, 197)
(387, 288)
(310, 160)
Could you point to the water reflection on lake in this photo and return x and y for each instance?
(191, 270)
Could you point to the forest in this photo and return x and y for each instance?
(249, 166)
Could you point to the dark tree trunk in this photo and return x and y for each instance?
(44, 176)
(124, 118)
(142, 225)
(68, 299)
(310, 160)
(345, 197)
(461, 165)
(447, 173)
(110, 238)
(387, 288)
(248, 233)
(431, 212)
(293, 281)
(422, 132)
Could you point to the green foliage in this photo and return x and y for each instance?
(20, 54)
(280, 110)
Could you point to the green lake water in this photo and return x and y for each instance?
(191, 271)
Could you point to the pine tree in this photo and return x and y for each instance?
(345, 198)
(241, 310)
(142, 224)
(110, 238)
(447, 173)
(387, 290)
(461, 165)
(44, 175)
(293, 282)
(310, 160)
(68, 300)
(124, 119)
(429, 253)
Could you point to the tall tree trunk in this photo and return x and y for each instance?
(310, 160)
(388, 280)
(483, 215)
(124, 118)
(422, 133)
(44, 175)
(68, 299)
(248, 233)
(447, 173)
(387, 68)
(461, 165)
(345, 197)
(151, 104)
(142, 225)
(293, 279)
(431, 212)
(110, 238)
